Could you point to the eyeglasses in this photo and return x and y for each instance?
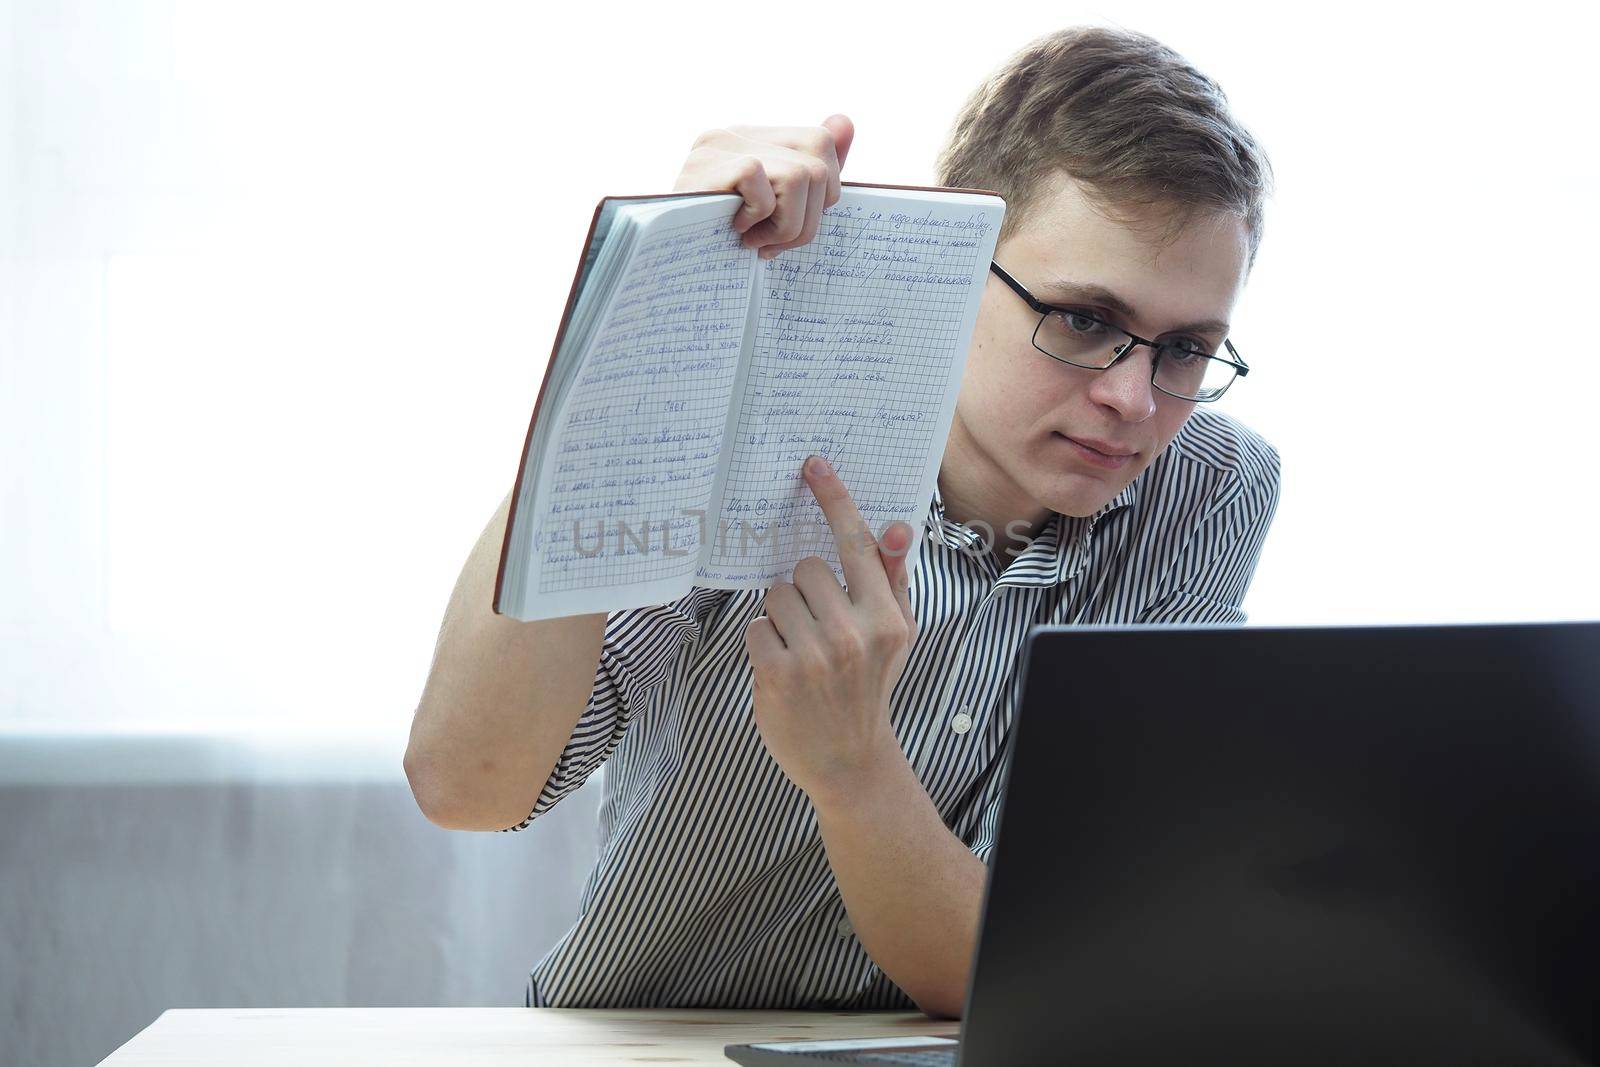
(1182, 368)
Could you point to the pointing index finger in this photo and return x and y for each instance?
(858, 549)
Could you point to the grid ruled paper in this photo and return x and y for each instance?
(862, 334)
(637, 452)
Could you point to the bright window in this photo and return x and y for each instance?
(279, 284)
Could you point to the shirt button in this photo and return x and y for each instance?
(844, 927)
(962, 722)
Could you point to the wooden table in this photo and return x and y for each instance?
(548, 1037)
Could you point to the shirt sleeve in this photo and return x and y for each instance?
(637, 653)
(982, 844)
(1212, 574)
(981, 824)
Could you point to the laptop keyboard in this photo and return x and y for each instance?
(937, 1057)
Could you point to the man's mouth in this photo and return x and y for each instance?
(1091, 454)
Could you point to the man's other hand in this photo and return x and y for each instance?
(786, 174)
(825, 658)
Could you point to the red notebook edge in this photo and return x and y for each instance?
(566, 316)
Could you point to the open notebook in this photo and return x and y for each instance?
(691, 378)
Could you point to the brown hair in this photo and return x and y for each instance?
(1120, 112)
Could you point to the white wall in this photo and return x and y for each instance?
(279, 282)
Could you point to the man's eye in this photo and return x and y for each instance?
(1185, 349)
(1076, 322)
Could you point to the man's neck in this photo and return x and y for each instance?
(976, 492)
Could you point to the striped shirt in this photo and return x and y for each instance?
(711, 888)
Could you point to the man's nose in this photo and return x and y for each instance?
(1126, 386)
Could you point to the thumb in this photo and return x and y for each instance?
(844, 131)
(893, 548)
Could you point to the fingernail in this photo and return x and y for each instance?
(818, 466)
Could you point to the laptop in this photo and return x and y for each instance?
(1296, 845)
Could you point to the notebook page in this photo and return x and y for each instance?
(861, 340)
(626, 484)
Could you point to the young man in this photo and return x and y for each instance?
(804, 782)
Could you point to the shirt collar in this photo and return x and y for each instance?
(1056, 554)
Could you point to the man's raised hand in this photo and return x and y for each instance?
(786, 174)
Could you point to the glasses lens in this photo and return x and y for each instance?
(1079, 340)
(1088, 343)
(1189, 374)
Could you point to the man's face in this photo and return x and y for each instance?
(1016, 403)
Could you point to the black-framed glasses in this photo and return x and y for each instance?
(1182, 368)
